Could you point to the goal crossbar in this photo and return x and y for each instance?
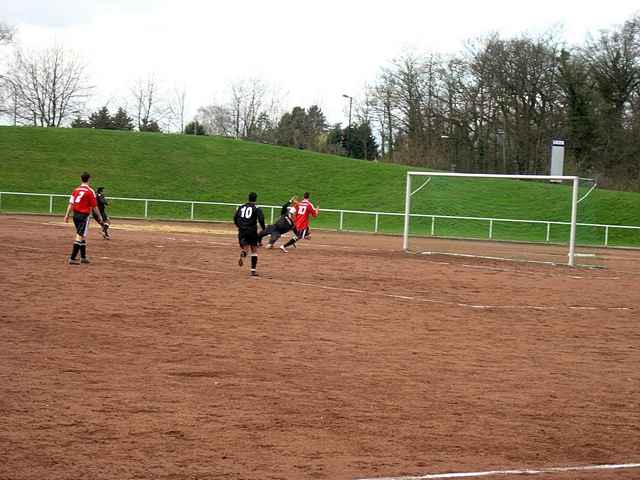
(574, 199)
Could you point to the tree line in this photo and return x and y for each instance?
(497, 107)
(493, 108)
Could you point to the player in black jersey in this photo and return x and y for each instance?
(246, 219)
(282, 225)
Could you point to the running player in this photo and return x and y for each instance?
(102, 205)
(82, 202)
(246, 219)
(284, 223)
(301, 226)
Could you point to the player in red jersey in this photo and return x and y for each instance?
(304, 209)
(82, 202)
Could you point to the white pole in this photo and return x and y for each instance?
(574, 217)
(407, 208)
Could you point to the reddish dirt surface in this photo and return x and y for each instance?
(345, 359)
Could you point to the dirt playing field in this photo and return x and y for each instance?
(345, 359)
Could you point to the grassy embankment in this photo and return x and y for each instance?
(179, 167)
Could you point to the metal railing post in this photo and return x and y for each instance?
(0, 201)
(491, 229)
(548, 231)
(606, 236)
(146, 208)
(272, 210)
(50, 203)
(341, 219)
(192, 209)
(375, 228)
(433, 225)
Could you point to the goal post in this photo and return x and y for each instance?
(572, 221)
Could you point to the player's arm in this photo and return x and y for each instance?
(315, 210)
(97, 215)
(66, 214)
(260, 217)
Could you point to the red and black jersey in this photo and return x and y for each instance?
(83, 199)
(303, 210)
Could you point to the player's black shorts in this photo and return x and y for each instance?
(273, 231)
(248, 238)
(300, 234)
(81, 221)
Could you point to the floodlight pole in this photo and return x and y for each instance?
(407, 209)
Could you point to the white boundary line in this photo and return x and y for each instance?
(354, 290)
(506, 259)
(511, 472)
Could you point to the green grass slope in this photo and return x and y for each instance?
(145, 165)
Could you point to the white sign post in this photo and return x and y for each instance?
(557, 158)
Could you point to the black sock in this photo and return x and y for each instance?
(290, 242)
(83, 249)
(76, 249)
(254, 261)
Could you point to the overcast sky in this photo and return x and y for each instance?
(311, 51)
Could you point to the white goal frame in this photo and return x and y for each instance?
(574, 200)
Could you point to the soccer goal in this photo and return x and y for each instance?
(513, 217)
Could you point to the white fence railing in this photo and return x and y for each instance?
(274, 209)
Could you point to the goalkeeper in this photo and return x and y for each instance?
(102, 205)
(284, 223)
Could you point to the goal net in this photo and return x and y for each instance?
(529, 218)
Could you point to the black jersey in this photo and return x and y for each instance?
(285, 208)
(248, 216)
(284, 223)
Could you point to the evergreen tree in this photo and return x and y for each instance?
(358, 142)
(122, 121)
(363, 144)
(101, 119)
(301, 128)
(149, 125)
(80, 123)
(194, 128)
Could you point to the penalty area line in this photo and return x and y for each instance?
(527, 471)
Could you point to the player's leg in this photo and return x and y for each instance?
(243, 248)
(297, 235)
(83, 244)
(254, 260)
(275, 235)
(243, 254)
(73, 258)
(80, 223)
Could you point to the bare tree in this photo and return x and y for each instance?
(251, 112)
(149, 107)
(6, 33)
(49, 86)
(217, 120)
(176, 108)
